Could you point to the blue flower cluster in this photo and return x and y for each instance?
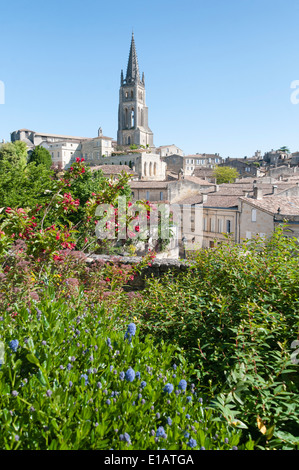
(161, 432)
(13, 344)
(168, 388)
(130, 375)
(131, 330)
(182, 384)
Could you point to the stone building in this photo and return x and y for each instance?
(133, 126)
(166, 150)
(33, 138)
(260, 216)
(244, 166)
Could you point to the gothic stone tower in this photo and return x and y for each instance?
(132, 111)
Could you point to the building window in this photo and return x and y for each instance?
(161, 196)
(228, 226)
(147, 195)
(220, 225)
(205, 224)
(213, 224)
(253, 215)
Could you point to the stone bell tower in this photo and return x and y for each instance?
(132, 111)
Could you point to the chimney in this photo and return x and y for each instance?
(204, 198)
(257, 193)
(245, 192)
(216, 187)
(274, 189)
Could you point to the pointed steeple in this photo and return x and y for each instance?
(133, 68)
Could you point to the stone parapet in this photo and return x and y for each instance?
(157, 268)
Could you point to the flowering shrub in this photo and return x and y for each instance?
(235, 314)
(66, 384)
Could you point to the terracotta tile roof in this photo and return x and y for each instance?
(195, 179)
(197, 199)
(113, 169)
(216, 200)
(149, 184)
(271, 204)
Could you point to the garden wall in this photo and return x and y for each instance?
(157, 268)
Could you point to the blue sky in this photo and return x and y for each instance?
(218, 73)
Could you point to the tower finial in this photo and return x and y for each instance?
(133, 67)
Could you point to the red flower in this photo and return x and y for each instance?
(83, 170)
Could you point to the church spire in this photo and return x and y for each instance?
(133, 68)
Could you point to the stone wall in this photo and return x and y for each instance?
(158, 268)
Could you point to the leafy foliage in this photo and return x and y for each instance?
(235, 314)
(41, 156)
(225, 174)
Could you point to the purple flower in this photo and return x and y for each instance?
(137, 375)
(189, 399)
(182, 384)
(192, 443)
(85, 377)
(99, 385)
(13, 344)
(130, 375)
(131, 330)
(14, 393)
(44, 343)
(121, 375)
(125, 437)
(168, 388)
(143, 384)
(161, 432)
(48, 393)
(108, 402)
(169, 421)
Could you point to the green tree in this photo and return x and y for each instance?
(14, 153)
(225, 174)
(284, 149)
(41, 156)
(24, 186)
